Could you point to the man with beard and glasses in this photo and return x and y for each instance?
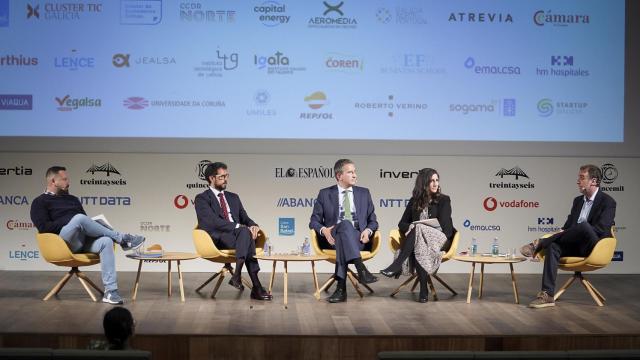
(56, 211)
(221, 214)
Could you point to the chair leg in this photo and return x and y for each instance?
(443, 283)
(397, 290)
(354, 282)
(565, 286)
(246, 282)
(80, 274)
(327, 284)
(595, 297)
(56, 289)
(215, 289)
(415, 284)
(86, 287)
(602, 298)
(208, 281)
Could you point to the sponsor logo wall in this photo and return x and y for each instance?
(514, 199)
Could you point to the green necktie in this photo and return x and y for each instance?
(346, 205)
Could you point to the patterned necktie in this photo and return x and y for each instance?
(223, 205)
(346, 205)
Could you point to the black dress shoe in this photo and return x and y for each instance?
(388, 273)
(259, 293)
(423, 297)
(236, 283)
(365, 277)
(340, 295)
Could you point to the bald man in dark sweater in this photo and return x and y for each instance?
(56, 211)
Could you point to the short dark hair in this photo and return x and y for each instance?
(212, 169)
(593, 171)
(118, 327)
(54, 170)
(337, 168)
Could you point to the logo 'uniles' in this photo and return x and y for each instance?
(261, 97)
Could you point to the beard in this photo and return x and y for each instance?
(63, 191)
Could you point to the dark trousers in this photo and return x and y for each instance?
(577, 240)
(407, 252)
(240, 240)
(348, 246)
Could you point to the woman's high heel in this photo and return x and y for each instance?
(388, 273)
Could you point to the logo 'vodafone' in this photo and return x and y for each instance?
(490, 204)
(181, 201)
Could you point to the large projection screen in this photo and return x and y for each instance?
(392, 77)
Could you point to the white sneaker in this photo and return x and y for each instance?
(112, 297)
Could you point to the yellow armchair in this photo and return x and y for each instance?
(55, 251)
(599, 258)
(331, 253)
(207, 250)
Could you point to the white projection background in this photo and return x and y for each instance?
(355, 69)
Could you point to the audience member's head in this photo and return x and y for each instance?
(118, 327)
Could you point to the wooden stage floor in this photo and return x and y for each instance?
(234, 326)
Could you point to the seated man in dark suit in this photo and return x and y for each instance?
(221, 214)
(590, 220)
(344, 217)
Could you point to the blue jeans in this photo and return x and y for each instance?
(83, 234)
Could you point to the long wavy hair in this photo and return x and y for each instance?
(421, 195)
